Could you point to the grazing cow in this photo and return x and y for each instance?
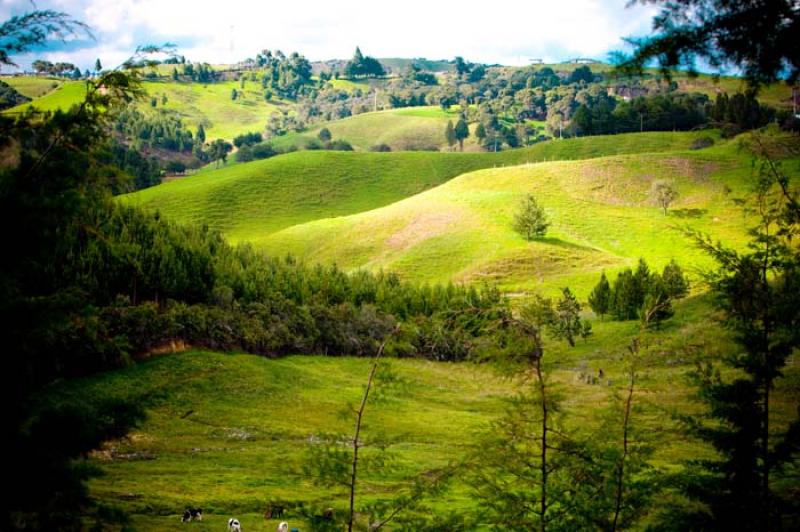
(283, 527)
(234, 525)
(192, 514)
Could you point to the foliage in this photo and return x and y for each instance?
(530, 219)
(752, 35)
(664, 193)
(361, 65)
(25, 32)
(600, 298)
(757, 292)
(9, 97)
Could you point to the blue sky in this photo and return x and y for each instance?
(219, 31)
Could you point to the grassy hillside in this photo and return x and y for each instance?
(32, 86)
(64, 96)
(211, 105)
(413, 128)
(601, 211)
(230, 433)
(250, 201)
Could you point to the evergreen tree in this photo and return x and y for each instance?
(450, 134)
(674, 280)
(98, 67)
(530, 220)
(625, 300)
(462, 132)
(757, 291)
(600, 298)
(566, 323)
(201, 134)
(480, 133)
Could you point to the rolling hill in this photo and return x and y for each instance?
(252, 200)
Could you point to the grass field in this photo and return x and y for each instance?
(357, 209)
(67, 94)
(212, 106)
(32, 87)
(413, 128)
(230, 433)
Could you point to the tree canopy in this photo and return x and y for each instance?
(757, 36)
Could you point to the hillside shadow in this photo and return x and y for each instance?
(688, 213)
(565, 244)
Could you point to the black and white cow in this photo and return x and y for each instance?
(192, 514)
(234, 525)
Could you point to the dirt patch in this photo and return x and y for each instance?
(420, 228)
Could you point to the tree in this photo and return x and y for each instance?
(450, 134)
(480, 133)
(600, 298)
(756, 289)
(218, 150)
(566, 323)
(325, 135)
(530, 220)
(25, 32)
(675, 282)
(201, 134)
(664, 193)
(98, 66)
(462, 132)
(756, 36)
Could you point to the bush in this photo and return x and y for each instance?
(339, 145)
(702, 142)
(245, 154)
(381, 148)
(264, 150)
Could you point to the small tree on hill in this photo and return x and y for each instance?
(530, 220)
(325, 135)
(462, 132)
(480, 133)
(566, 323)
(664, 193)
(600, 298)
(98, 66)
(450, 134)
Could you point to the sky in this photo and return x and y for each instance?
(225, 31)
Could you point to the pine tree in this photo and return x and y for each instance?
(450, 134)
(462, 132)
(600, 298)
(530, 220)
(201, 134)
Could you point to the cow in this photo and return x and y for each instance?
(234, 525)
(192, 514)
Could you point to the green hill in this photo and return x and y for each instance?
(411, 128)
(252, 200)
(602, 214)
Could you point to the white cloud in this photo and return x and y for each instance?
(506, 32)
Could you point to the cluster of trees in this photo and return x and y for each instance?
(603, 115)
(163, 129)
(363, 66)
(286, 76)
(640, 294)
(66, 70)
(198, 72)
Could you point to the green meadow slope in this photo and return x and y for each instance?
(251, 201)
(412, 128)
(602, 213)
(230, 433)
